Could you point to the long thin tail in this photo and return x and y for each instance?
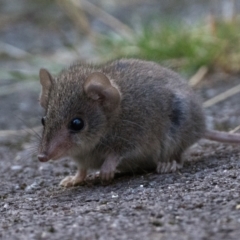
(222, 136)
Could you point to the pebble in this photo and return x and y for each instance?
(16, 167)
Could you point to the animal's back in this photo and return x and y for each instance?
(126, 114)
(160, 115)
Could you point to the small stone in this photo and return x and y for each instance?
(16, 167)
(238, 206)
(5, 206)
(114, 195)
(31, 187)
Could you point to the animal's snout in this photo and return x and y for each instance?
(42, 157)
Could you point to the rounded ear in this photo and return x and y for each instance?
(98, 87)
(46, 81)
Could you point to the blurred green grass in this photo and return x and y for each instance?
(180, 46)
(183, 48)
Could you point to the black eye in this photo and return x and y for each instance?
(43, 121)
(76, 125)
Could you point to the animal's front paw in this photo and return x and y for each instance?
(107, 175)
(71, 181)
(166, 167)
(108, 168)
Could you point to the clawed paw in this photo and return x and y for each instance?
(71, 181)
(106, 175)
(166, 167)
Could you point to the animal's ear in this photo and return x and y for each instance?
(98, 87)
(46, 81)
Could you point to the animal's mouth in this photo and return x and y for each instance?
(57, 157)
(45, 158)
(42, 159)
(57, 148)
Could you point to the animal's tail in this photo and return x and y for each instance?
(222, 136)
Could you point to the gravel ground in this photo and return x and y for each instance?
(199, 202)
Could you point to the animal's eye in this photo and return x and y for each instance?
(43, 121)
(76, 125)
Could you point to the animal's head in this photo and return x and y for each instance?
(78, 106)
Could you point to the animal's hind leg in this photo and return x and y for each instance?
(172, 165)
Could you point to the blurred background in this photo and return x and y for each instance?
(194, 38)
(199, 39)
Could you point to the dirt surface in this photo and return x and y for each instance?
(201, 201)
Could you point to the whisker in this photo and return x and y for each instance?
(26, 154)
(19, 133)
(28, 130)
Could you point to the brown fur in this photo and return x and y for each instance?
(154, 117)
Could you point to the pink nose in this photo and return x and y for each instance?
(42, 157)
